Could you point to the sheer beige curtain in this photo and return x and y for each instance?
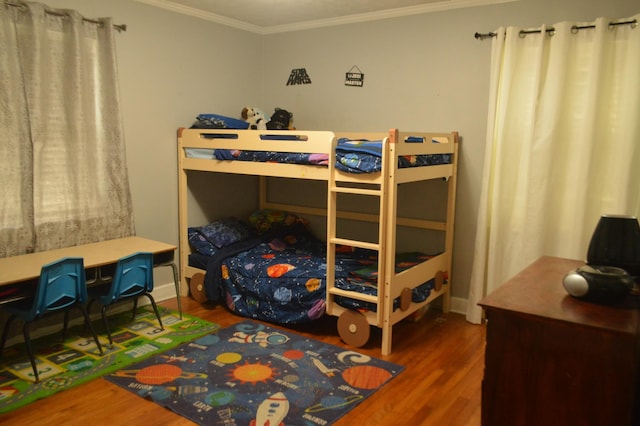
(562, 147)
(62, 167)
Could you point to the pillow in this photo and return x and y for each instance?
(209, 238)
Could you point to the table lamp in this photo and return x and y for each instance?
(616, 242)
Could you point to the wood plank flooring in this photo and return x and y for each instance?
(441, 384)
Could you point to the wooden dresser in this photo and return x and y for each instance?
(552, 359)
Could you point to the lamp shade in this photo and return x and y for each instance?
(616, 242)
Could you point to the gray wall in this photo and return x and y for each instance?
(425, 72)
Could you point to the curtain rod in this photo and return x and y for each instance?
(119, 28)
(574, 29)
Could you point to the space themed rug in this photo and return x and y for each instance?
(62, 365)
(253, 374)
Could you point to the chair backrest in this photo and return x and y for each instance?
(133, 276)
(62, 283)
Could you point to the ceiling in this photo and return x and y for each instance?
(273, 16)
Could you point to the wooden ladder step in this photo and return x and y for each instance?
(354, 243)
(353, 295)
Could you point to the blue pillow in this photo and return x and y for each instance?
(209, 238)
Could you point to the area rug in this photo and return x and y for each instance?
(254, 374)
(62, 365)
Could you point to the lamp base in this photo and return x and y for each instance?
(604, 285)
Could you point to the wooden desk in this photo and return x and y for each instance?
(552, 359)
(26, 267)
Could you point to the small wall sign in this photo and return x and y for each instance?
(354, 77)
(298, 76)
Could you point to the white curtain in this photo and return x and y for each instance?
(562, 146)
(63, 167)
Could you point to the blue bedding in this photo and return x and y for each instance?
(216, 121)
(271, 157)
(352, 156)
(280, 276)
(364, 156)
(363, 280)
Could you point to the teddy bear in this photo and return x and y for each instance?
(281, 119)
(255, 117)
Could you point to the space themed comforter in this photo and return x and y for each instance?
(280, 276)
(352, 156)
(271, 157)
(365, 156)
(363, 280)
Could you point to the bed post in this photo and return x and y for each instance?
(451, 213)
(182, 218)
(393, 135)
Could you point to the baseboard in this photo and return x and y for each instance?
(164, 292)
(458, 305)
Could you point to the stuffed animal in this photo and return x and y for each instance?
(281, 119)
(255, 117)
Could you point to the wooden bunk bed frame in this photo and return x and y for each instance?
(353, 326)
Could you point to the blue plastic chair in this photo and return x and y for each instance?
(61, 287)
(133, 277)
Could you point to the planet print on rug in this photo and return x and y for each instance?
(254, 374)
(62, 365)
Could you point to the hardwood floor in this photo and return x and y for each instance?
(441, 384)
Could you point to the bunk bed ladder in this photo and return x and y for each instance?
(357, 330)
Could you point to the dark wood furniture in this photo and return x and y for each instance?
(552, 359)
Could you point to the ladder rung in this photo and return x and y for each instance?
(354, 243)
(358, 191)
(354, 295)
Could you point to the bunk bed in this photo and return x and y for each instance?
(398, 284)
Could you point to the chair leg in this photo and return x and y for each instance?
(155, 309)
(88, 309)
(106, 323)
(64, 327)
(5, 333)
(27, 341)
(87, 323)
(176, 281)
(135, 308)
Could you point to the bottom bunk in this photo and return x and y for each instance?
(273, 268)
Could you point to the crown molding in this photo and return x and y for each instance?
(440, 6)
(382, 14)
(202, 14)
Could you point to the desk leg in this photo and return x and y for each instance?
(176, 280)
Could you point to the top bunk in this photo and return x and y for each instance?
(356, 157)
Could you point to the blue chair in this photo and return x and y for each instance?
(61, 287)
(133, 277)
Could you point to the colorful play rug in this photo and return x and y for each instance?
(253, 374)
(77, 360)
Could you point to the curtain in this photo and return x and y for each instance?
(562, 145)
(63, 166)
